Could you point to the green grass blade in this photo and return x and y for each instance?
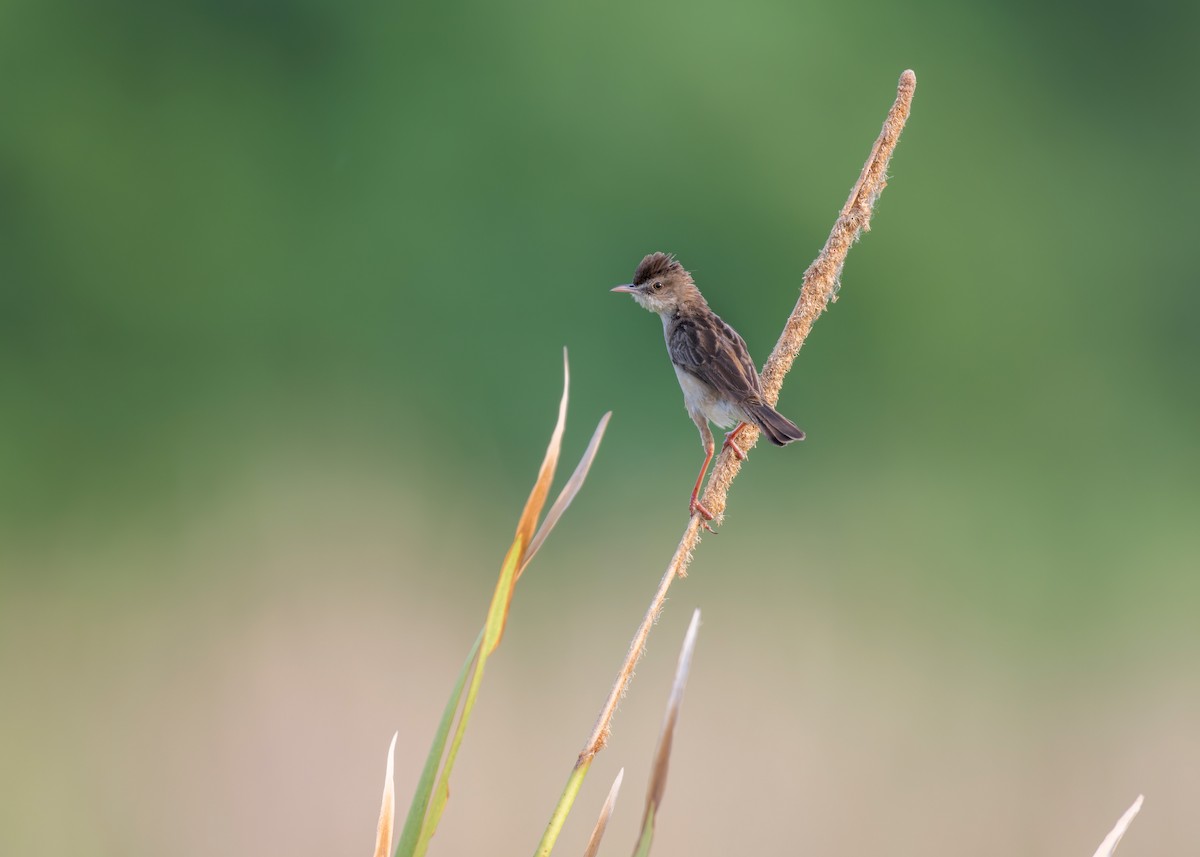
(420, 802)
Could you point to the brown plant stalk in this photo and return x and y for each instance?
(820, 287)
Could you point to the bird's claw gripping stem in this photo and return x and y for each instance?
(729, 444)
(705, 516)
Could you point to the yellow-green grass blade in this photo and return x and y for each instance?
(413, 824)
(527, 539)
(496, 614)
(498, 611)
(565, 801)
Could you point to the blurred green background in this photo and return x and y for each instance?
(283, 288)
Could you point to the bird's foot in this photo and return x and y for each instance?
(696, 507)
(737, 450)
(729, 444)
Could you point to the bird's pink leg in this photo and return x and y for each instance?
(696, 506)
(729, 444)
(706, 439)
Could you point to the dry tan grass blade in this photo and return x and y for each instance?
(568, 492)
(605, 813)
(1109, 845)
(541, 488)
(662, 758)
(387, 811)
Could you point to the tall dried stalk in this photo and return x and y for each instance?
(821, 283)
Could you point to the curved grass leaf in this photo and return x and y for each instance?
(568, 492)
(498, 611)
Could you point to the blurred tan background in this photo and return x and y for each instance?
(283, 288)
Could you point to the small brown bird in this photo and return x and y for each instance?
(719, 381)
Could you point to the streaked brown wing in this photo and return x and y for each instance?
(705, 346)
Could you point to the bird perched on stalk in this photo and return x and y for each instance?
(720, 383)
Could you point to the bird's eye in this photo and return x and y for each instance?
(658, 287)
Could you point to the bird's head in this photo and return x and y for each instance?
(661, 285)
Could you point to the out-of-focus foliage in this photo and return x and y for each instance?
(280, 283)
(226, 227)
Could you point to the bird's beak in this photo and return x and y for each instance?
(626, 288)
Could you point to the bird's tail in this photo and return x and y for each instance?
(778, 428)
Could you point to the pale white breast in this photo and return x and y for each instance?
(700, 398)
